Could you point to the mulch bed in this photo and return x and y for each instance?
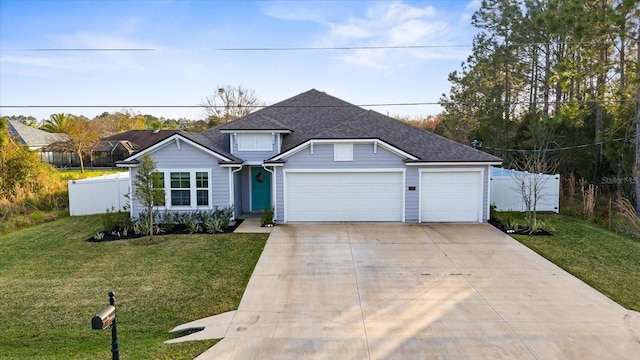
(176, 230)
(520, 231)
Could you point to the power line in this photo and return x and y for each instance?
(332, 106)
(345, 48)
(390, 47)
(302, 48)
(524, 151)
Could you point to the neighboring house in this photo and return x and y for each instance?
(108, 150)
(141, 138)
(35, 139)
(118, 147)
(314, 157)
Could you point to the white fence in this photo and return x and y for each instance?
(506, 196)
(99, 194)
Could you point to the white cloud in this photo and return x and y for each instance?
(380, 24)
(471, 7)
(295, 11)
(93, 40)
(411, 32)
(349, 31)
(398, 12)
(32, 61)
(387, 24)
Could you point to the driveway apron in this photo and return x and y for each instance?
(428, 291)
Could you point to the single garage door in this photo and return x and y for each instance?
(344, 196)
(451, 196)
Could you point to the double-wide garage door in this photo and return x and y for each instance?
(344, 196)
(451, 196)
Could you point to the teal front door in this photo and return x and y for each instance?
(260, 189)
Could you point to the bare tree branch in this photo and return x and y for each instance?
(230, 103)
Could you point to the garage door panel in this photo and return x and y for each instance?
(451, 196)
(344, 196)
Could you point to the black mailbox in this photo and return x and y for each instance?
(104, 318)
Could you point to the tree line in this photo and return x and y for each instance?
(554, 78)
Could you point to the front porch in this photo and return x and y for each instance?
(253, 191)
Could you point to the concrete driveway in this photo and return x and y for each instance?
(401, 291)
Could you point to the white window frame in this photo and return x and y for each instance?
(255, 142)
(193, 189)
(343, 152)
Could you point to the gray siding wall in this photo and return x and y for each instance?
(246, 188)
(279, 208)
(188, 158)
(363, 158)
(220, 186)
(237, 196)
(412, 198)
(255, 156)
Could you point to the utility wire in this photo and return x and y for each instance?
(332, 106)
(302, 48)
(582, 146)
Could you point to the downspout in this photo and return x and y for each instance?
(232, 186)
(273, 192)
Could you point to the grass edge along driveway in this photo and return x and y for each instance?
(607, 261)
(53, 282)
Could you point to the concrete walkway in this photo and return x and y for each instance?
(401, 291)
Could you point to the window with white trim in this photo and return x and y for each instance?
(180, 189)
(254, 142)
(202, 188)
(343, 152)
(191, 188)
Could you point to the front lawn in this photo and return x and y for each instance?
(52, 282)
(607, 261)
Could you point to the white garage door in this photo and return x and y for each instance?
(451, 196)
(344, 196)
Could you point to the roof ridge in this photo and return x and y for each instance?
(346, 122)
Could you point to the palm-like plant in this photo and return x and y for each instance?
(58, 123)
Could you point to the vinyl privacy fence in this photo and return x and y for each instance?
(505, 194)
(99, 194)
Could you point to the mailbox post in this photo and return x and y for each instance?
(105, 318)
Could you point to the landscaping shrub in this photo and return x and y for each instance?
(118, 225)
(626, 220)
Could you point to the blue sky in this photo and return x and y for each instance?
(184, 64)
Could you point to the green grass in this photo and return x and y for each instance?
(35, 209)
(88, 173)
(52, 282)
(607, 261)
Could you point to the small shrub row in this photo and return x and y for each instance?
(118, 225)
(514, 223)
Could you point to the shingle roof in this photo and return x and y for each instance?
(317, 115)
(213, 144)
(255, 122)
(142, 138)
(32, 137)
